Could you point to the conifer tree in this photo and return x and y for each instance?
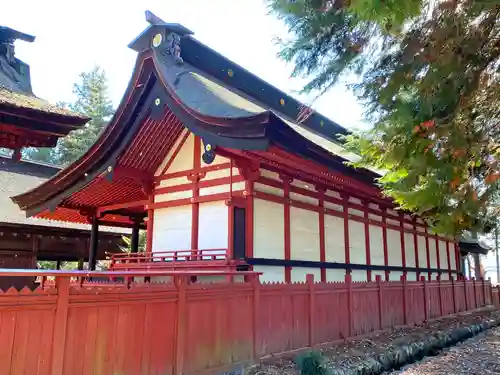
(429, 78)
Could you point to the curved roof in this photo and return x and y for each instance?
(178, 84)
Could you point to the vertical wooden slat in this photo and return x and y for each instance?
(312, 309)
(60, 323)
(286, 191)
(180, 344)
(322, 244)
(380, 295)
(350, 313)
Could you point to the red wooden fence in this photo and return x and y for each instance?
(181, 327)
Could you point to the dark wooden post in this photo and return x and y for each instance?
(58, 265)
(94, 241)
(134, 243)
(475, 292)
(405, 298)
(440, 286)
(80, 264)
(465, 295)
(454, 289)
(378, 279)
(426, 299)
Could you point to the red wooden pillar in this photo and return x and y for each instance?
(150, 224)
(465, 295)
(345, 203)
(384, 240)
(367, 240)
(438, 260)
(415, 245)
(429, 274)
(60, 324)
(454, 290)
(440, 286)
(448, 259)
(475, 292)
(322, 243)
(286, 190)
(403, 251)
(195, 219)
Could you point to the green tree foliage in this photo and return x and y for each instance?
(127, 240)
(92, 100)
(428, 75)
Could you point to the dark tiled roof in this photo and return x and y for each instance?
(18, 177)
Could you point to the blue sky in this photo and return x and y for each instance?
(73, 36)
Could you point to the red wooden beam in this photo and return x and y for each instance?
(120, 206)
(195, 220)
(286, 191)
(174, 154)
(346, 233)
(322, 244)
(367, 241)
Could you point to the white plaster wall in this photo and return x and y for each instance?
(432, 252)
(213, 226)
(443, 254)
(394, 248)
(353, 211)
(395, 275)
(304, 234)
(453, 263)
(304, 198)
(359, 275)
(422, 252)
(298, 274)
(269, 174)
(269, 230)
(174, 196)
(376, 245)
(271, 273)
(172, 229)
(171, 152)
(184, 159)
(335, 275)
(411, 276)
(410, 249)
(357, 242)
(333, 193)
(268, 189)
(334, 241)
(378, 273)
(334, 206)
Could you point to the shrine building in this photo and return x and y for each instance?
(226, 171)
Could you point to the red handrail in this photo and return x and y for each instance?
(176, 257)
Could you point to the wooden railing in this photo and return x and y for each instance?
(75, 326)
(168, 260)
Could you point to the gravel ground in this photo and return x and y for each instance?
(348, 354)
(479, 355)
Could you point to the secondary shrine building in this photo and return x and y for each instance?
(225, 170)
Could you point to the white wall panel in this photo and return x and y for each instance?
(357, 242)
(335, 275)
(304, 234)
(268, 189)
(394, 222)
(422, 252)
(355, 200)
(174, 181)
(375, 217)
(443, 255)
(184, 159)
(269, 174)
(333, 193)
(395, 275)
(356, 212)
(213, 226)
(269, 230)
(334, 206)
(432, 253)
(271, 274)
(173, 196)
(334, 240)
(359, 275)
(378, 273)
(410, 250)
(376, 245)
(411, 276)
(394, 248)
(298, 274)
(453, 262)
(172, 228)
(304, 198)
(171, 152)
(215, 190)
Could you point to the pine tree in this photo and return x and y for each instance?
(428, 75)
(92, 100)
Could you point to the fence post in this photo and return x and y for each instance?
(440, 286)
(453, 288)
(491, 291)
(180, 332)
(312, 309)
(465, 295)
(380, 301)
(405, 302)
(60, 324)
(348, 280)
(256, 314)
(426, 299)
(484, 292)
(475, 292)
